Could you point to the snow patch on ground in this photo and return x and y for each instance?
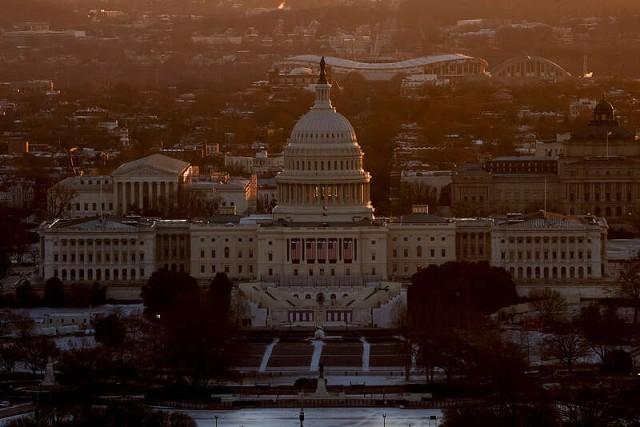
(267, 355)
(366, 353)
(315, 358)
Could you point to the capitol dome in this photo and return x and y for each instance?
(323, 178)
(323, 126)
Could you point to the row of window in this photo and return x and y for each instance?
(117, 257)
(597, 197)
(545, 255)
(546, 239)
(99, 274)
(98, 181)
(226, 268)
(93, 206)
(597, 172)
(322, 272)
(226, 239)
(419, 253)
(320, 164)
(227, 252)
(550, 273)
(418, 238)
(98, 242)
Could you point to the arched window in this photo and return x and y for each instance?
(419, 251)
(226, 251)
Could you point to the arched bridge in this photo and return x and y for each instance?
(530, 67)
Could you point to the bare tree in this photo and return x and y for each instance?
(588, 406)
(418, 193)
(37, 352)
(628, 286)
(58, 199)
(203, 205)
(549, 304)
(567, 345)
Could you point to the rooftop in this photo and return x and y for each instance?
(422, 218)
(155, 161)
(549, 220)
(101, 224)
(409, 63)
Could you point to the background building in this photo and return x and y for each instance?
(451, 66)
(595, 171)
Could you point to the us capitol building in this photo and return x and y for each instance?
(322, 258)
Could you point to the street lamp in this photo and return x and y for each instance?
(384, 420)
(216, 418)
(301, 416)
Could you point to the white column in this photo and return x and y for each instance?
(140, 193)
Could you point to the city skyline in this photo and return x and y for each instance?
(319, 213)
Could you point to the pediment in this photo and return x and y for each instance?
(146, 171)
(97, 224)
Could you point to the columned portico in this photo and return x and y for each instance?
(150, 183)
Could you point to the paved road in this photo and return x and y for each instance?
(319, 417)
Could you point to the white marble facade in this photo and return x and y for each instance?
(322, 258)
